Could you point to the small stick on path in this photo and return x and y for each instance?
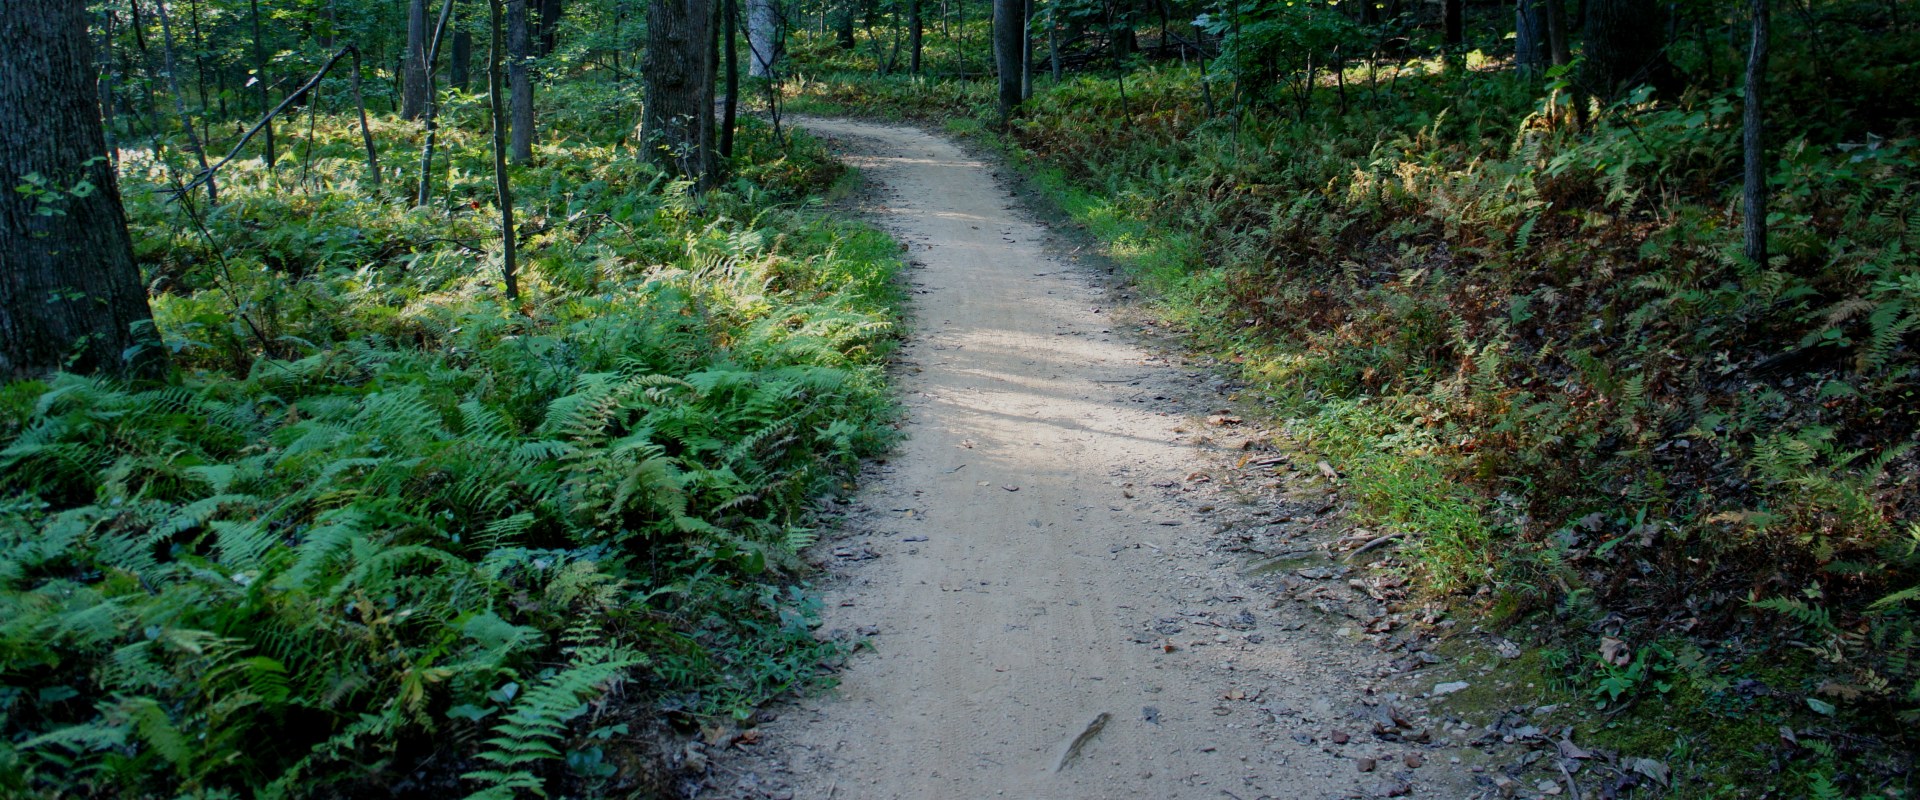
(1072, 750)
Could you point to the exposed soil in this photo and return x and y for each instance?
(1082, 575)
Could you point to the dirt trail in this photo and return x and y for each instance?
(1044, 548)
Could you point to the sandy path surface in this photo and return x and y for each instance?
(1044, 551)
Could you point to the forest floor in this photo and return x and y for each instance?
(1084, 573)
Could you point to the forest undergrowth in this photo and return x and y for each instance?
(385, 532)
(1535, 352)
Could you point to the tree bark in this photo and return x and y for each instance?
(430, 116)
(70, 294)
(763, 37)
(106, 82)
(413, 72)
(845, 30)
(676, 123)
(179, 99)
(1006, 52)
(915, 32)
(1454, 25)
(1626, 47)
(459, 73)
(730, 11)
(548, 34)
(1531, 42)
(1026, 49)
(260, 81)
(520, 79)
(1053, 40)
(1753, 140)
(502, 186)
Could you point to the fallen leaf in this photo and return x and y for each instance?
(1651, 768)
(1570, 750)
(1844, 691)
(1615, 652)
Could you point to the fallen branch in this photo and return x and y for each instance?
(207, 174)
(1378, 542)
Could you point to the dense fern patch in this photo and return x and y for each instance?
(388, 533)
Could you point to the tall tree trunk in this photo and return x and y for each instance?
(413, 70)
(1453, 21)
(1753, 140)
(260, 81)
(1626, 47)
(764, 29)
(106, 83)
(548, 34)
(730, 10)
(199, 43)
(520, 79)
(430, 116)
(845, 26)
(502, 187)
(70, 294)
(676, 123)
(179, 99)
(1559, 41)
(1120, 27)
(1026, 49)
(1530, 40)
(915, 32)
(460, 71)
(1053, 39)
(1006, 52)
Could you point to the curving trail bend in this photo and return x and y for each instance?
(1020, 574)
